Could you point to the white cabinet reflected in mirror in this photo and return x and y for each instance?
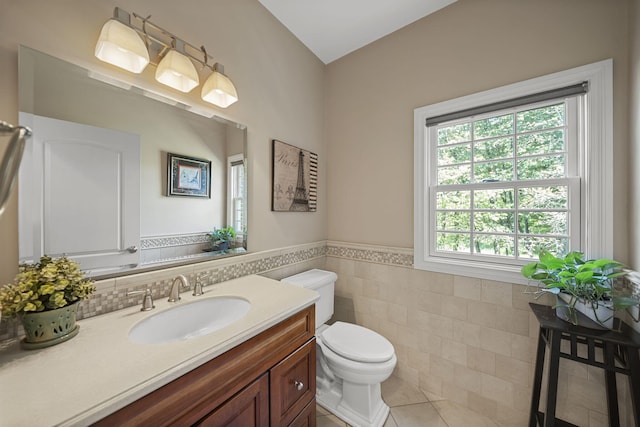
(93, 182)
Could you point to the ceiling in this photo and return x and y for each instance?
(334, 28)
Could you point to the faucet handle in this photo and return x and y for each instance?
(147, 301)
(197, 287)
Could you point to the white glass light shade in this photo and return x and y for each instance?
(122, 46)
(177, 71)
(219, 90)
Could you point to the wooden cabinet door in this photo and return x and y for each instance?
(293, 384)
(307, 417)
(248, 408)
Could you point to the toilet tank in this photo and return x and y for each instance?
(321, 281)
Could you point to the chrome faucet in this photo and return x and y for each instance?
(174, 294)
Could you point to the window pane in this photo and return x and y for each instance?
(529, 247)
(493, 199)
(541, 167)
(456, 133)
(541, 142)
(541, 118)
(456, 221)
(493, 171)
(552, 197)
(453, 200)
(492, 149)
(454, 154)
(454, 175)
(543, 222)
(489, 244)
(493, 126)
(453, 242)
(495, 222)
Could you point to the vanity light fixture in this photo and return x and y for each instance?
(132, 46)
(177, 71)
(119, 44)
(218, 89)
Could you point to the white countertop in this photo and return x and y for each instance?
(99, 371)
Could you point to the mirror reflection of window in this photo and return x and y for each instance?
(237, 216)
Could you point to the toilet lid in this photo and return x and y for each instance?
(357, 343)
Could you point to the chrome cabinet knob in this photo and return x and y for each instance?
(299, 385)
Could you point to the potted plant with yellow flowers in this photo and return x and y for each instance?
(45, 296)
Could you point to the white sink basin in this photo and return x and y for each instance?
(189, 320)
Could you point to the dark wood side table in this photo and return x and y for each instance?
(619, 355)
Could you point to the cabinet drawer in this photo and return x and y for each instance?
(293, 384)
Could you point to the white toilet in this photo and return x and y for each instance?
(351, 360)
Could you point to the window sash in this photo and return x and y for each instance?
(572, 209)
(573, 110)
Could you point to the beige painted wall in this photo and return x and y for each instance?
(470, 46)
(280, 84)
(634, 124)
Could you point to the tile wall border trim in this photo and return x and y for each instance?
(371, 253)
(153, 242)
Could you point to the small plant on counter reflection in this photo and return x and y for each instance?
(47, 285)
(221, 237)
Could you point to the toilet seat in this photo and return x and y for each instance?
(357, 343)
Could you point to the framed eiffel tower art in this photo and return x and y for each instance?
(295, 179)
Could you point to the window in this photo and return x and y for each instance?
(504, 173)
(236, 202)
(501, 183)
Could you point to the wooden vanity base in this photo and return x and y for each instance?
(269, 380)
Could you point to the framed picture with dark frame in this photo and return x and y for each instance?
(188, 176)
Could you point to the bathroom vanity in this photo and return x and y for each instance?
(259, 371)
(267, 380)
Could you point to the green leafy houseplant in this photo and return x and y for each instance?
(580, 282)
(43, 286)
(220, 236)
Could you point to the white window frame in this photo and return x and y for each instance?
(595, 165)
(231, 199)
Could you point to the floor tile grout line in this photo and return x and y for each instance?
(440, 414)
(414, 404)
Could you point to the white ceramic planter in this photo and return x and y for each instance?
(601, 314)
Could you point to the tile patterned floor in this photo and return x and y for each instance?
(411, 407)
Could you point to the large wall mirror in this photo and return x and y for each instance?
(95, 182)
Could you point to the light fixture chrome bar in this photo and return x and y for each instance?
(143, 30)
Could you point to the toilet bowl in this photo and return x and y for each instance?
(351, 360)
